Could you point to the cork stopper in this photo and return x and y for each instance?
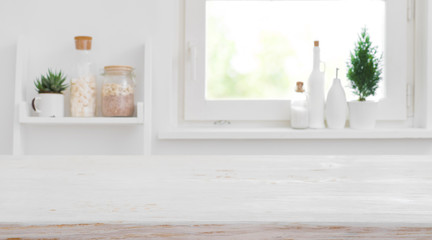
(299, 87)
(316, 43)
(83, 42)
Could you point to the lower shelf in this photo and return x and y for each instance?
(85, 121)
(139, 119)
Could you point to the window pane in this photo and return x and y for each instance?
(259, 49)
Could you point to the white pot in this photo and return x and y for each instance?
(363, 114)
(49, 105)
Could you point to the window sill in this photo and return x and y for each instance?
(287, 133)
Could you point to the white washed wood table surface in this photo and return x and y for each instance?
(216, 197)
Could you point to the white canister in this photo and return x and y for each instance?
(49, 105)
(299, 108)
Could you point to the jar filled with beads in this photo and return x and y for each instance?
(83, 83)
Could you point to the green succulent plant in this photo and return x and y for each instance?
(52, 82)
(364, 67)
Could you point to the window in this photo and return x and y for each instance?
(244, 57)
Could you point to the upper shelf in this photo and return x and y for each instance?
(26, 119)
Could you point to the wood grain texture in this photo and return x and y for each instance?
(176, 190)
(214, 231)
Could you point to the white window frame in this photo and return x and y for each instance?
(198, 108)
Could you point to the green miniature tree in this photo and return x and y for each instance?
(364, 67)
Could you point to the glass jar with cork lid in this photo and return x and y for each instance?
(118, 91)
(83, 83)
(299, 108)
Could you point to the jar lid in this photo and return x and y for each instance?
(83, 42)
(118, 68)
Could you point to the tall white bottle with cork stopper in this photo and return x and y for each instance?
(316, 91)
(83, 83)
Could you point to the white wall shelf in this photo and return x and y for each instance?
(288, 133)
(26, 119)
(25, 124)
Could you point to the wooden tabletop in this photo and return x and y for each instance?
(373, 191)
(215, 231)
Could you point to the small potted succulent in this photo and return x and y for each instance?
(50, 100)
(364, 73)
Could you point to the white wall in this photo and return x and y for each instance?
(131, 22)
(119, 29)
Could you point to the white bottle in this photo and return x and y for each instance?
(299, 108)
(336, 106)
(316, 92)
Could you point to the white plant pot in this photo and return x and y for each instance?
(363, 114)
(49, 105)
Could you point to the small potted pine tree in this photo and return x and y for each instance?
(50, 100)
(364, 73)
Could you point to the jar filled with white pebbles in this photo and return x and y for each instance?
(83, 85)
(83, 97)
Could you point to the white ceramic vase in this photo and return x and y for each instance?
(363, 114)
(49, 105)
(336, 106)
